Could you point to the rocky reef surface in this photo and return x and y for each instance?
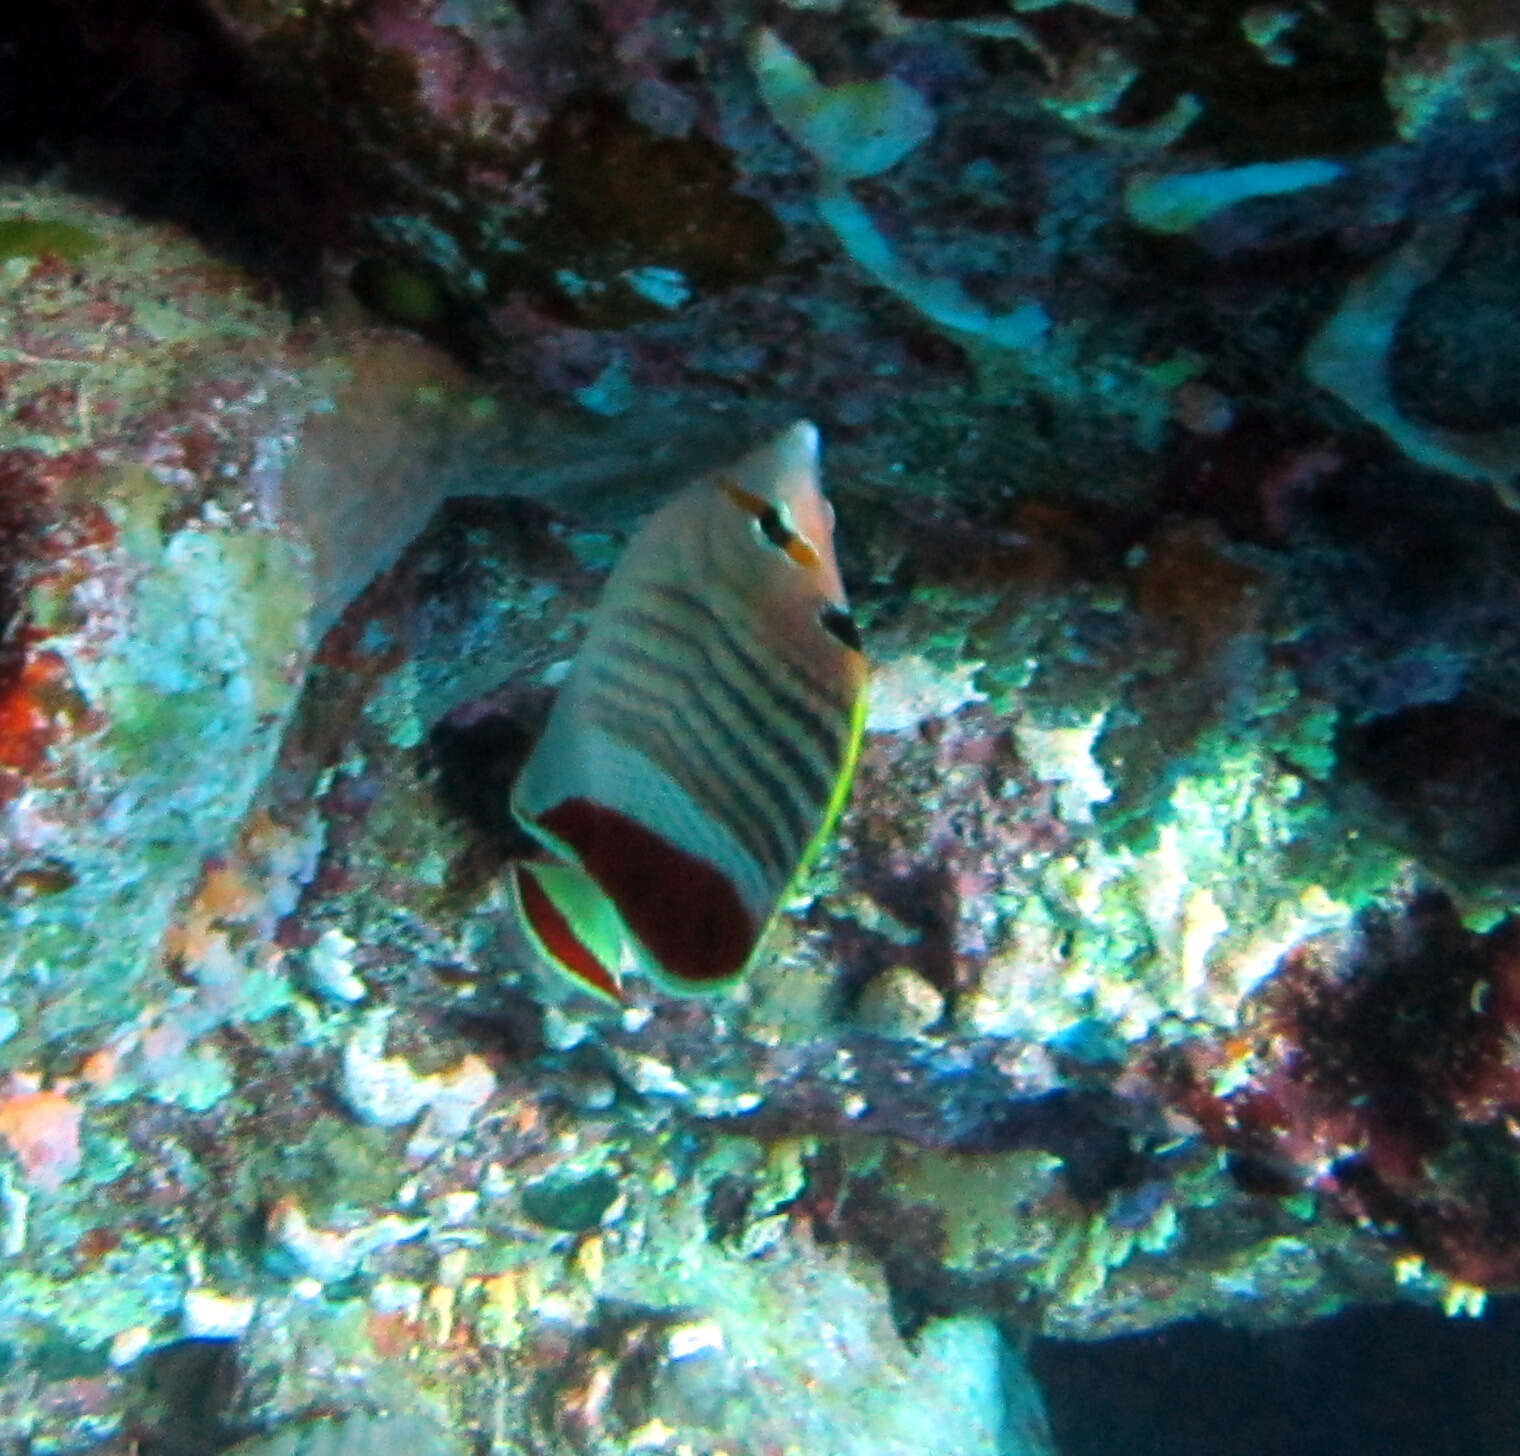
(1164, 962)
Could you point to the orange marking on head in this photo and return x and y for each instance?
(757, 506)
(746, 500)
(801, 552)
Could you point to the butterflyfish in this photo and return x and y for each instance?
(702, 745)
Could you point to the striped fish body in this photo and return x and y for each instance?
(702, 743)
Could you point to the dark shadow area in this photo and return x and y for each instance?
(477, 760)
(181, 1394)
(1398, 1381)
(1329, 101)
(1448, 777)
(153, 106)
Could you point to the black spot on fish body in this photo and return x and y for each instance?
(813, 717)
(840, 625)
(757, 714)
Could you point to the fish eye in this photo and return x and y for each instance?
(773, 521)
(840, 625)
(773, 526)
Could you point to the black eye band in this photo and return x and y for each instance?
(773, 528)
(841, 626)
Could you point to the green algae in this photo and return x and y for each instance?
(1044, 654)
(140, 1281)
(360, 1434)
(221, 603)
(571, 1202)
(337, 1164)
(197, 1080)
(988, 1208)
(34, 237)
(1181, 913)
(403, 293)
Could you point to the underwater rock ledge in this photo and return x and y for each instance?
(1163, 964)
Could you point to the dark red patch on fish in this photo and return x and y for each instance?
(681, 909)
(554, 931)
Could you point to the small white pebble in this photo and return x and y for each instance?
(562, 1032)
(684, 1341)
(207, 1315)
(899, 1003)
(651, 1436)
(449, 1209)
(495, 1181)
(396, 1296)
(636, 1018)
(128, 1344)
(651, 1076)
(330, 967)
(665, 287)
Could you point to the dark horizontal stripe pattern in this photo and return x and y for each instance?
(647, 720)
(811, 776)
(777, 681)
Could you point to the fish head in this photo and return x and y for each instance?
(779, 487)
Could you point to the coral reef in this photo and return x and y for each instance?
(1377, 1071)
(1164, 962)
